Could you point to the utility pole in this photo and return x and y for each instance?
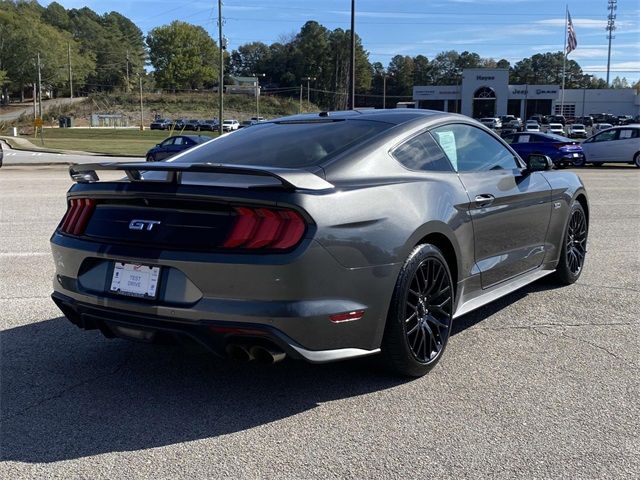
(221, 81)
(39, 88)
(141, 107)
(300, 98)
(611, 26)
(308, 79)
(257, 77)
(352, 66)
(384, 87)
(127, 79)
(70, 75)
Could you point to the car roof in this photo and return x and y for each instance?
(396, 116)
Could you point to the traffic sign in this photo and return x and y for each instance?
(37, 122)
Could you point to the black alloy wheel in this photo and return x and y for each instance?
(574, 246)
(150, 158)
(636, 160)
(419, 322)
(579, 162)
(428, 310)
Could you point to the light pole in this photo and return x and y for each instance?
(257, 77)
(352, 64)
(385, 74)
(308, 79)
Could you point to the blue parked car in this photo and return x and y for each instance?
(173, 145)
(562, 150)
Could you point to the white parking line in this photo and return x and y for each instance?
(24, 254)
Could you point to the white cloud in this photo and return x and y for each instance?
(579, 22)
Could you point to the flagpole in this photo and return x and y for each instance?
(564, 56)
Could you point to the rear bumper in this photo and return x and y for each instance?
(215, 336)
(293, 294)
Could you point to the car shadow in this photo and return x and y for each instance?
(67, 393)
(476, 316)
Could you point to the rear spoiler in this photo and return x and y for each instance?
(290, 178)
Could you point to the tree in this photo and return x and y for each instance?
(402, 70)
(249, 59)
(184, 56)
(546, 68)
(620, 83)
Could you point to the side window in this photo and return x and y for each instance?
(179, 141)
(510, 139)
(605, 136)
(422, 153)
(526, 138)
(472, 150)
(167, 142)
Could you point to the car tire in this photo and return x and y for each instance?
(579, 162)
(151, 158)
(636, 160)
(574, 246)
(420, 315)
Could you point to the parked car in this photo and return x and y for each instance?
(511, 125)
(258, 119)
(541, 119)
(246, 123)
(180, 123)
(617, 144)
(174, 145)
(531, 126)
(493, 123)
(557, 119)
(576, 130)
(161, 124)
(586, 121)
(230, 125)
(361, 240)
(562, 151)
(625, 119)
(210, 125)
(599, 127)
(556, 128)
(193, 124)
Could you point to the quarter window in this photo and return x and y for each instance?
(422, 153)
(627, 133)
(473, 150)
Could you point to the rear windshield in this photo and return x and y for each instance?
(287, 145)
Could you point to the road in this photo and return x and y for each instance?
(541, 384)
(26, 157)
(28, 108)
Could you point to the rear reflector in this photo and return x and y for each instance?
(78, 215)
(265, 228)
(347, 316)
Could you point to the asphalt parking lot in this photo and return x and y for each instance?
(543, 383)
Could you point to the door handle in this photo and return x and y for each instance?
(484, 200)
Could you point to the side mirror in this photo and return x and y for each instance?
(539, 163)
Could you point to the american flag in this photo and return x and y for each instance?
(572, 41)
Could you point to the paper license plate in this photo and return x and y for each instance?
(135, 280)
(576, 155)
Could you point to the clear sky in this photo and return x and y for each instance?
(511, 29)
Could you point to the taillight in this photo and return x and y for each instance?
(78, 215)
(265, 228)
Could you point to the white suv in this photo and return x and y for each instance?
(230, 125)
(491, 122)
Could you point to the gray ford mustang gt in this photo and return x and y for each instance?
(319, 237)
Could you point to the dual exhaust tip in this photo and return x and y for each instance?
(247, 353)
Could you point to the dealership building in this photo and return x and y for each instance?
(485, 92)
